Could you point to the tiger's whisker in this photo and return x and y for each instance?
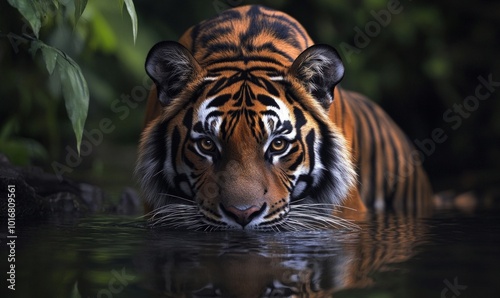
(177, 197)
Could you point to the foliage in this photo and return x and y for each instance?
(18, 148)
(422, 63)
(73, 83)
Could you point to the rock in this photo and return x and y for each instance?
(130, 203)
(42, 195)
(27, 201)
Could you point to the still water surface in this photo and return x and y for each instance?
(446, 255)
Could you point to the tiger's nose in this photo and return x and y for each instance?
(243, 215)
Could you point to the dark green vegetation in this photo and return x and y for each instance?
(423, 61)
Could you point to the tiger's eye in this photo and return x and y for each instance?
(206, 145)
(279, 145)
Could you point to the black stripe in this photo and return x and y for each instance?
(260, 22)
(186, 160)
(269, 113)
(205, 39)
(228, 129)
(284, 127)
(260, 11)
(287, 20)
(379, 145)
(342, 111)
(394, 172)
(187, 121)
(207, 27)
(271, 47)
(207, 126)
(418, 191)
(220, 47)
(267, 101)
(219, 101)
(178, 179)
(310, 138)
(198, 127)
(174, 148)
(405, 192)
(300, 120)
(270, 88)
(252, 58)
(366, 136)
(297, 161)
(219, 85)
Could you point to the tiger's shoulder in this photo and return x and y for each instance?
(390, 171)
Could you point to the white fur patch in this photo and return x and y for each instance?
(210, 79)
(283, 115)
(204, 116)
(277, 78)
(299, 188)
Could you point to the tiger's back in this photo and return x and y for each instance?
(259, 61)
(390, 173)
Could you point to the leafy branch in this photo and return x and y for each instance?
(74, 86)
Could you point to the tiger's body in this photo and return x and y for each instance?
(247, 129)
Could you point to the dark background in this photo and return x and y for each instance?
(418, 66)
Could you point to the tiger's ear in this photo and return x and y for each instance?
(171, 66)
(319, 68)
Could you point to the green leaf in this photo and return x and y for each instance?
(50, 58)
(133, 16)
(75, 293)
(74, 86)
(30, 12)
(8, 129)
(79, 8)
(76, 94)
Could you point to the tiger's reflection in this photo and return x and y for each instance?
(291, 264)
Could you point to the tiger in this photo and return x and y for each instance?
(247, 128)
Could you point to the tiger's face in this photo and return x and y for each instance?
(243, 145)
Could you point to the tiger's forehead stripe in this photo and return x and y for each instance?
(211, 40)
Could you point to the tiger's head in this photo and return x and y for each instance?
(244, 143)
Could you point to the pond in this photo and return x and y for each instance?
(448, 254)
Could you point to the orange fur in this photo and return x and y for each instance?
(380, 152)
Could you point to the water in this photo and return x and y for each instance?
(448, 254)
